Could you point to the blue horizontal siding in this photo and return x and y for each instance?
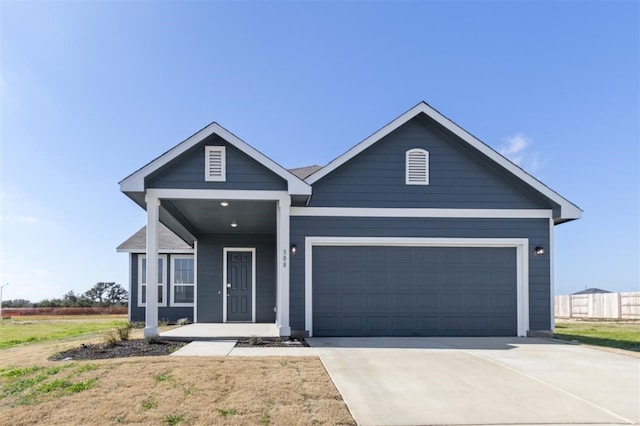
(210, 274)
(536, 230)
(459, 176)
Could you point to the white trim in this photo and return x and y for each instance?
(135, 181)
(164, 280)
(208, 177)
(130, 296)
(283, 260)
(226, 250)
(568, 210)
(173, 284)
(195, 278)
(522, 264)
(217, 194)
(409, 171)
(419, 212)
(151, 294)
(143, 251)
(551, 253)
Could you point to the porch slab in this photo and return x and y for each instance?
(269, 351)
(225, 331)
(214, 348)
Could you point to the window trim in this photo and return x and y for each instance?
(408, 154)
(164, 280)
(173, 284)
(223, 164)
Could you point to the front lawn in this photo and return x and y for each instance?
(621, 335)
(33, 329)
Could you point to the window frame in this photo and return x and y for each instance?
(142, 257)
(173, 283)
(408, 154)
(223, 164)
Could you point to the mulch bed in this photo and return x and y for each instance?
(126, 349)
(271, 343)
(140, 347)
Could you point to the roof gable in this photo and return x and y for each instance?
(241, 171)
(459, 177)
(568, 210)
(136, 181)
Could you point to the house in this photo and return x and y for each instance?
(591, 291)
(419, 230)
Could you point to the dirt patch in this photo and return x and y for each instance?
(125, 349)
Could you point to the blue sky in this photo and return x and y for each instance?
(92, 91)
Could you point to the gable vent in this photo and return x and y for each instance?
(417, 167)
(215, 164)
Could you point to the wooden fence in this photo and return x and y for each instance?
(600, 305)
(8, 312)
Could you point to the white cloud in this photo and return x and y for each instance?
(27, 219)
(517, 149)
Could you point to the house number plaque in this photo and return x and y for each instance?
(284, 258)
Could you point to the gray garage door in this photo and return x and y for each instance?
(414, 291)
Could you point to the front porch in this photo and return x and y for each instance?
(226, 331)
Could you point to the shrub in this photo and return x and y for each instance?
(111, 338)
(256, 341)
(125, 332)
(182, 321)
(152, 340)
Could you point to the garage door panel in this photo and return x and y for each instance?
(378, 302)
(400, 279)
(452, 325)
(451, 302)
(452, 278)
(354, 324)
(501, 303)
(351, 302)
(426, 302)
(377, 324)
(402, 302)
(327, 300)
(404, 325)
(351, 279)
(406, 291)
(501, 279)
(477, 301)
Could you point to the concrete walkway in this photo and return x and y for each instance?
(227, 348)
(490, 381)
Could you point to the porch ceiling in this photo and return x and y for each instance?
(210, 217)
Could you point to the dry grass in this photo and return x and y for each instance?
(168, 390)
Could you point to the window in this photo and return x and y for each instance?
(182, 280)
(215, 167)
(417, 167)
(142, 280)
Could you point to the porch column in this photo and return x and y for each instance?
(151, 311)
(282, 292)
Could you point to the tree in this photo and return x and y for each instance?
(73, 300)
(17, 303)
(107, 294)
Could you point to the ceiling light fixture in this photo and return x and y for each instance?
(234, 224)
(224, 203)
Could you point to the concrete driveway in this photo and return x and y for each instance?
(490, 381)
